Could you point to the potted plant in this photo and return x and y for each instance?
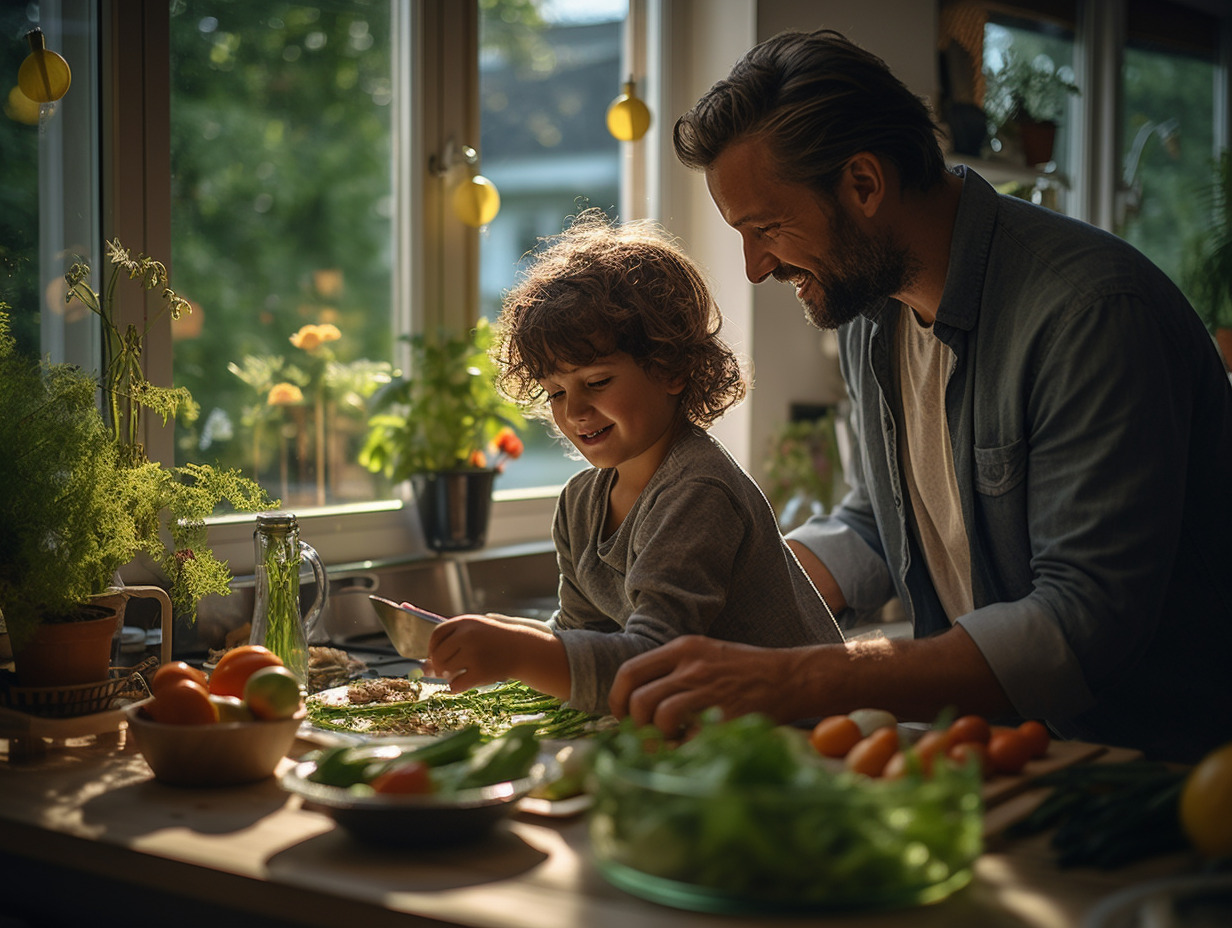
(803, 469)
(437, 428)
(1208, 270)
(69, 525)
(1025, 99)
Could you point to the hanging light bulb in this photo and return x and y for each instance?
(44, 76)
(476, 201)
(628, 117)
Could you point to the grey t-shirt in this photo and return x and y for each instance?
(699, 553)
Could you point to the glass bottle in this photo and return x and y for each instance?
(276, 620)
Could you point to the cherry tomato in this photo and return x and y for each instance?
(176, 670)
(835, 735)
(412, 777)
(969, 752)
(182, 702)
(931, 743)
(237, 665)
(1037, 737)
(1008, 751)
(871, 754)
(969, 729)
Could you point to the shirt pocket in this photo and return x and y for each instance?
(999, 471)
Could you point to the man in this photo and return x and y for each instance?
(1043, 466)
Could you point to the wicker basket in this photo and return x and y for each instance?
(62, 702)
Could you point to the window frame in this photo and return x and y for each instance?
(436, 254)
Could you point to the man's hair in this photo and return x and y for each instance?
(816, 99)
(598, 288)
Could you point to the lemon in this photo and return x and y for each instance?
(1206, 803)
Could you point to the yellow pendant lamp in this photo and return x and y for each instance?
(628, 117)
(44, 76)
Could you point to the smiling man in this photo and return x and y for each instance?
(1043, 432)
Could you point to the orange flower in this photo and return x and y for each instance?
(477, 459)
(314, 336)
(508, 443)
(284, 394)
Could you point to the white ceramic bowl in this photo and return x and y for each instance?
(221, 754)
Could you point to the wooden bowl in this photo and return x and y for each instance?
(221, 754)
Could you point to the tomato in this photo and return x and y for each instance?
(835, 735)
(871, 754)
(176, 670)
(969, 752)
(182, 702)
(1206, 803)
(412, 777)
(1008, 751)
(931, 743)
(969, 729)
(237, 665)
(272, 693)
(1036, 736)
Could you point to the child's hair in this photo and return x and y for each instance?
(601, 287)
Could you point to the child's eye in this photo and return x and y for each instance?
(595, 384)
(553, 397)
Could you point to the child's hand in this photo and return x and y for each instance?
(471, 650)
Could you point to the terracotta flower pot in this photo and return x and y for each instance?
(71, 653)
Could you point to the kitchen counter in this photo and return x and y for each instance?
(91, 819)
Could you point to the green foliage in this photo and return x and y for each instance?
(448, 409)
(66, 519)
(803, 458)
(1208, 273)
(1035, 89)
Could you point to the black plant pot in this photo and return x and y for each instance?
(454, 508)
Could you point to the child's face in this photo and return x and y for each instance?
(616, 413)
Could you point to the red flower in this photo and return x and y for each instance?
(508, 443)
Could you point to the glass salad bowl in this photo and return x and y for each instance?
(742, 818)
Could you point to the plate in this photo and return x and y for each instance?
(419, 821)
(1203, 901)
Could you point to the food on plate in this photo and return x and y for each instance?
(861, 741)
(459, 761)
(237, 665)
(871, 754)
(330, 667)
(392, 706)
(835, 735)
(1206, 803)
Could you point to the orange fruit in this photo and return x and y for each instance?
(835, 735)
(182, 702)
(272, 693)
(237, 665)
(176, 670)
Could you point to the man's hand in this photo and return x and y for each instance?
(669, 686)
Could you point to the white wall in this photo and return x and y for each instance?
(792, 362)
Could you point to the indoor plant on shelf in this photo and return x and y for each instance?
(448, 430)
(69, 525)
(1025, 100)
(1208, 270)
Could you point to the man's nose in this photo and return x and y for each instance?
(758, 262)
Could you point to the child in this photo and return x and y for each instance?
(613, 336)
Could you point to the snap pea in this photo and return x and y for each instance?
(507, 757)
(349, 765)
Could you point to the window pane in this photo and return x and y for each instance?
(1043, 47)
(548, 72)
(281, 219)
(1168, 108)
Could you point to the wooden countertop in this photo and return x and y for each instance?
(256, 851)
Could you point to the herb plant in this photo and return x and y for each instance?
(444, 413)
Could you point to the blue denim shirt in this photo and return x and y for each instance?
(1091, 422)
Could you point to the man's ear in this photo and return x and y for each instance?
(863, 184)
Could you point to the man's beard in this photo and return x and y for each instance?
(862, 272)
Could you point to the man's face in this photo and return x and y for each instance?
(791, 233)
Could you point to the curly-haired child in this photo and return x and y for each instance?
(612, 335)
